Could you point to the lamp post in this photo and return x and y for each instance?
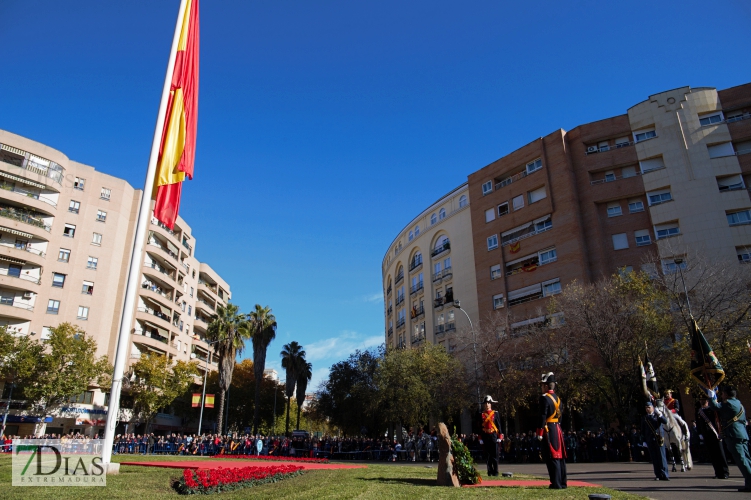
(205, 376)
(458, 305)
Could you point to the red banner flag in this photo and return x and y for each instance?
(515, 247)
(209, 401)
(178, 147)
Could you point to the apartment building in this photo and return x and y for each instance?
(429, 265)
(66, 233)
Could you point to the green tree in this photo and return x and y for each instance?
(293, 357)
(263, 330)
(157, 383)
(64, 367)
(229, 329)
(304, 375)
(19, 357)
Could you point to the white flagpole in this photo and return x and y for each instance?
(144, 211)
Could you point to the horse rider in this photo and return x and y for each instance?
(490, 429)
(707, 422)
(553, 450)
(651, 429)
(671, 403)
(733, 418)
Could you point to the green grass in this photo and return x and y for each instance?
(377, 481)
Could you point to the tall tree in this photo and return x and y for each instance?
(292, 358)
(263, 329)
(304, 374)
(229, 329)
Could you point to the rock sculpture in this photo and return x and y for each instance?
(446, 473)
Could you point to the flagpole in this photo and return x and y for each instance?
(131, 289)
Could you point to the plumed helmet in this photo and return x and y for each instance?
(489, 399)
(547, 378)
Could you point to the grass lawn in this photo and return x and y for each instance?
(377, 481)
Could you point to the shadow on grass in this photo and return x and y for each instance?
(403, 480)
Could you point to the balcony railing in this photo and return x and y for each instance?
(207, 304)
(391, 331)
(439, 329)
(528, 235)
(415, 264)
(156, 289)
(52, 171)
(526, 298)
(418, 338)
(443, 248)
(388, 290)
(159, 223)
(159, 269)
(23, 246)
(12, 213)
(390, 310)
(400, 323)
(163, 249)
(158, 314)
(614, 178)
(450, 327)
(17, 274)
(416, 288)
(15, 189)
(399, 300)
(10, 302)
(399, 278)
(152, 335)
(190, 248)
(417, 312)
(207, 285)
(604, 149)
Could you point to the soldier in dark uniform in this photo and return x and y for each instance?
(733, 418)
(553, 449)
(707, 423)
(651, 429)
(490, 431)
(671, 403)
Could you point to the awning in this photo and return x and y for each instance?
(12, 260)
(521, 259)
(25, 419)
(523, 292)
(22, 180)
(39, 160)
(4, 229)
(162, 331)
(17, 151)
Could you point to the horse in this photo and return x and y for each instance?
(678, 436)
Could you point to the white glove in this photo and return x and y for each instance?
(499, 440)
(539, 438)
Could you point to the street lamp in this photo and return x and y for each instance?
(458, 305)
(205, 376)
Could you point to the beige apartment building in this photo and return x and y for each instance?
(429, 265)
(66, 232)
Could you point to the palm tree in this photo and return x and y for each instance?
(263, 329)
(303, 377)
(229, 329)
(292, 358)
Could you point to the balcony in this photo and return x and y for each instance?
(450, 327)
(154, 288)
(388, 291)
(399, 300)
(16, 274)
(400, 323)
(439, 302)
(187, 246)
(399, 278)
(441, 249)
(160, 270)
(164, 249)
(21, 251)
(447, 273)
(531, 230)
(389, 310)
(22, 216)
(153, 336)
(417, 312)
(203, 302)
(52, 171)
(416, 288)
(418, 338)
(593, 150)
(614, 178)
(525, 298)
(206, 284)
(15, 309)
(155, 313)
(415, 264)
(391, 331)
(28, 194)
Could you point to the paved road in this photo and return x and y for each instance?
(638, 478)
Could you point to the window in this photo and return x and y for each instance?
(659, 196)
(670, 266)
(83, 313)
(447, 263)
(742, 148)
(105, 195)
(667, 230)
(609, 176)
(14, 270)
(489, 215)
(614, 209)
(502, 209)
(543, 225)
(417, 231)
(603, 146)
(744, 255)
(537, 195)
(92, 262)
(487, 188)
(642, 237)
(463, 201)
(78, 184)
(720, 150)
(650, 268)
(492, 242)
(74, 206)
(190, 310)
(730, 183)
(547, 256)
(739, 218)
(622, 142)
(620, 241)
(191, 291)
(518, 202)
(101, 215)
(643, 135)
(437, 268)
(651, 164)
(442, 214)
(495, 271)
(635, 205)
(69, 231)
(627, 172)
(53, 306)
(498, 301)
(623, 271)
(58, 280)
(411, 236)
(433, 219)
(63, 255)
(551, 287)
(96, 239)
(88, 288)
(710, 118)
(534, 166)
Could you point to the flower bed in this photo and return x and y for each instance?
(275, 459)
(206, 481)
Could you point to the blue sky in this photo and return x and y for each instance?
(324, 127)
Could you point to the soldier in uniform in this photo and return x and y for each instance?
(733, 419)
(707, 423)
(670, 403)
(651, 429)
(553, 449)
(490, 431)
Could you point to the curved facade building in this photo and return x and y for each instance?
(428, 266)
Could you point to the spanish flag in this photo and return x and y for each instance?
(209, 401)
(515, 247)
(178, 146)
(196, 400)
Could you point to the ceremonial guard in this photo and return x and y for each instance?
(670, 403)
(553, 449)
(490, 430)
(733, 421)
(651, 429)
(707, 421)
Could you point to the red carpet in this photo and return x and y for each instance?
(227, 464)
(515, 482)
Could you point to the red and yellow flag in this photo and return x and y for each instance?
(209, 401)
(178, 147)
(196, 400)
(515, 247)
